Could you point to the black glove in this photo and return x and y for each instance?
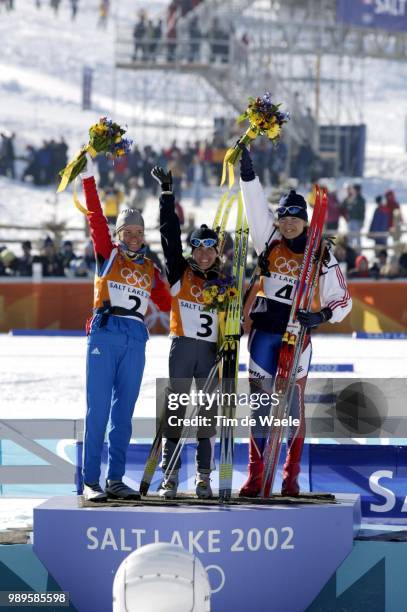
(313, 319)
(246, 165)
(162, 177)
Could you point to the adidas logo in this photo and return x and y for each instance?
(95, 351)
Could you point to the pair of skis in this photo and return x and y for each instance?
(230, 363)
(219, 225)
(228, 352)
(294, 338)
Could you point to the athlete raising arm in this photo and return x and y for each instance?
(193, 329)
(125, 280)
(280, 245)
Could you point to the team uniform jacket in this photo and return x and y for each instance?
(122, 287)
(188, 316)
(271, 309)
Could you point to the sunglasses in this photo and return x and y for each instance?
(205, 242)
(288, 210)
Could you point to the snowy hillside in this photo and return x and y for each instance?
(41, 71)
(41, 65)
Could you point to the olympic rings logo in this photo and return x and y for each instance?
(196, 292)
(135, 277)
(285, 266)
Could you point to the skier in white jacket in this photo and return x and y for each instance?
(280, 243)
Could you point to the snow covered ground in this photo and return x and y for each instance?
(41, 66)
(44, 377)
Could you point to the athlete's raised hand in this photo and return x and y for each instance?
(162, 177)
(246, 165)
(90, 168)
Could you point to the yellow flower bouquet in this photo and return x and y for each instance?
(104, 137)
(217, 294)
(265, 119)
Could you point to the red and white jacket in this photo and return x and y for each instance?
(283, 264)
(119, 280)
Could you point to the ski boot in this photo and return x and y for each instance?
(169, 486)
(116, 489)
(252, 486)
(290, 486)
(292, 468)
(292, 464)
(94, 493)
(203, 485)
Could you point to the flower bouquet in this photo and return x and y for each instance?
(265, 118)
(217, 293)
(104, 137)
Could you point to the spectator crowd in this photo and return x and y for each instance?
(42, 164)
(45, 162)
(52, 261)
(193, 39)
(195, 168)
(386, 222)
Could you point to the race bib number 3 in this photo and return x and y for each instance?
(133, 299)
(198, 323)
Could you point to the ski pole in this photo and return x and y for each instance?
(181, 442)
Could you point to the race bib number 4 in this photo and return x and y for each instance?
(279, 287)
(133, 299)
(198, 323)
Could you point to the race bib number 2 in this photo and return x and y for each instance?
(198, 323)
(131, 298)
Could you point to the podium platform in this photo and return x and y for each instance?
(274, 556)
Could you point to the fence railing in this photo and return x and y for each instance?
(25, 433)
(392, 240)
(208, 51)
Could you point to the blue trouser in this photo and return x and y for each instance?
(114, 370)
(264, 348)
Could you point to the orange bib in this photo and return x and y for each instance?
(188, 316)
(284, 266)
(125, 285)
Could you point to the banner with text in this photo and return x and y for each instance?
(390, 15)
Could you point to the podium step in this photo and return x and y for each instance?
(189, 499)
(254, 550)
